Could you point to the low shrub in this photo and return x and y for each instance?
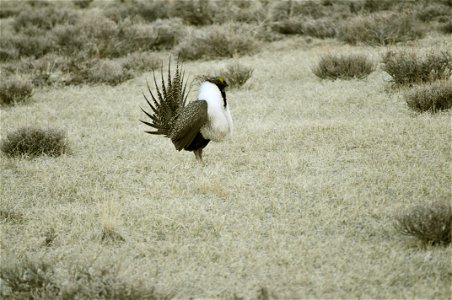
(320, 28)
(107, 71)
(192, 12)
(32, 142)
(45, 17)
(446, 27)
(141, 62)
(289, 26)
(407, 67)
(14, 90)
(343, 67)
(237, 74)
(82, 3)
(433, 97)
(433, 11)
(430, 223)
(217, 41)
(380, 29)
(30, 278)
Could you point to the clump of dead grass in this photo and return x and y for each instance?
(408, 67)
(217, 41)
(343, 67)
(31, 278)
(29, 141)
(430, 223)
(432, 97)
(237, 74)
(14, 90)
(381, 28)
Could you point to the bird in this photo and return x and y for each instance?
(189, 126)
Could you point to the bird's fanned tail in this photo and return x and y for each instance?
(167, 101)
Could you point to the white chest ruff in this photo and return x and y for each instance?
(219, 123)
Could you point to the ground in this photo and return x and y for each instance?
(300, 202)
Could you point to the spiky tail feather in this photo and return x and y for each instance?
(169, 99)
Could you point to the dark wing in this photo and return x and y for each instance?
(188, 123)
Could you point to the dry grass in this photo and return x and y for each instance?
(344, 67)
(299, 204)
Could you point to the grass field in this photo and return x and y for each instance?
(300, 203)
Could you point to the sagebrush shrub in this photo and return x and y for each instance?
(320, 28)
(408, 67)
(446, 27)
(430, 223)
(14, 90)
(237, 74)
(82, 3)
(141, 62)
(343, 67)
(380, 29)
(32, 142)
(432, 97)
(31, 278)
(217, 41)
(107, 71)
(432, 11)
(44, 17)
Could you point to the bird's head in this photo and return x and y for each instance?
(219, 81)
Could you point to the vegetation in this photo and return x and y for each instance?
(383, 28)
(31, 141)
(343, 67)
(433, 97)
(237, 74)
(307, 187)
(14, 90)
(429, 223)
(408, 67)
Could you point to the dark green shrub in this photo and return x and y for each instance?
(343, 67)
(21, 45)
(380, 29)
(430, 223)
(237, 74)
(14, 90)
(433, 97)
(217, 41)
(407, 68)
(31, 142)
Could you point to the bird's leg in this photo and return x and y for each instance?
(198, 155)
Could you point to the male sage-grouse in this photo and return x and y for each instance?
(189, 126)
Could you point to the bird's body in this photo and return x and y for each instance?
(190, 127)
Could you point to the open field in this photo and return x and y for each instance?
(300, 203)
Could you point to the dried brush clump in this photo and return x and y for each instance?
(217, 41)
(29, 141)
(430, 223)
(36, 279)
(237, 74)
(14, 90)
(381, 28)
(407, 67)
(343, 67)
(433, 97)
